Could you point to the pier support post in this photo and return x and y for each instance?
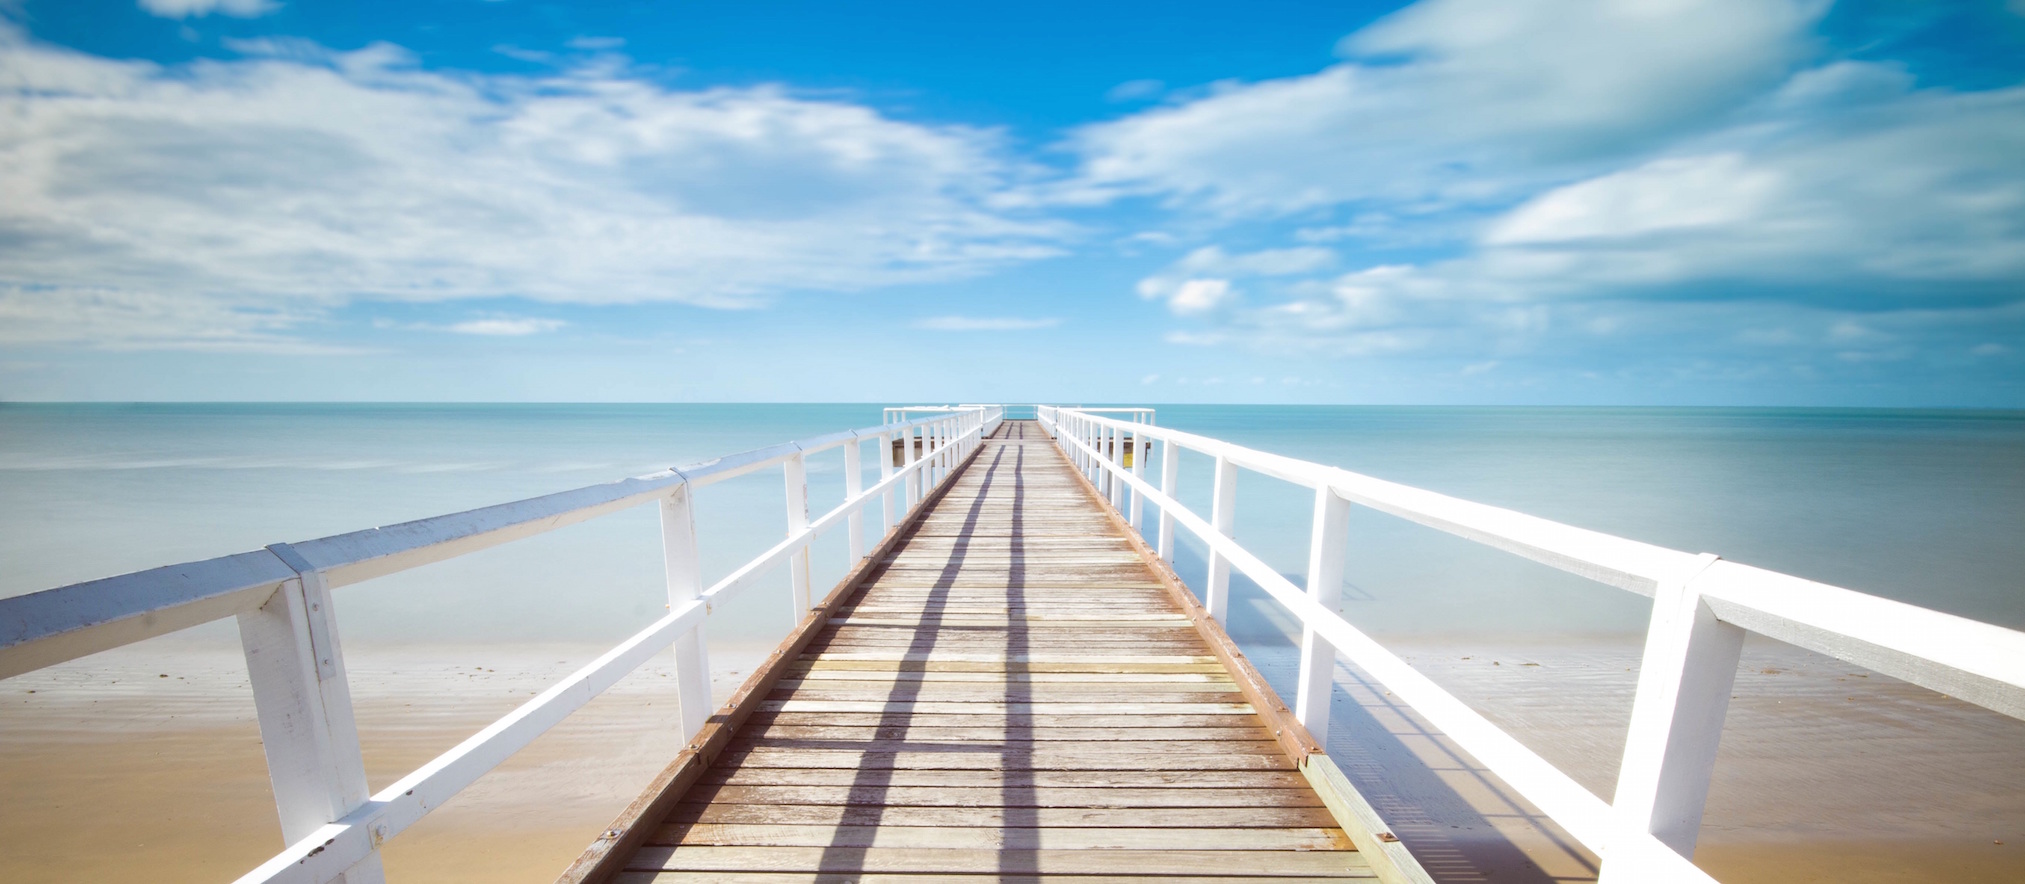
(1684, 683)
(854, 485)
(797, 472)
(304, 704)
(1222, 517)
(685, 582)
(1325, 586)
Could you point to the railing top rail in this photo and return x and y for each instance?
(47, 627)
(1975, 661)
(1605, 558)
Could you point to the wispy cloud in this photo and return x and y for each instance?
(984, 323)
(301, 178)
(1561, 183)
(1456, 102)
(201, 8)
(505, 327)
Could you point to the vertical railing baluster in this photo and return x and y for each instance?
(304, 704)
(1170, 481)
(1138, 456)
(888, 516)
(854, 485)
(1223, 517)
(1684, 683)
(1326, 553)
(797, 472)
(1118, 469)
(913, 480)
(684, 568)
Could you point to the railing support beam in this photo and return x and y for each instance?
(797, 472)
(1325, 586)
(1170, 477)
(1684, 683)
(304, 703)
(1223, 517)
(854, 485)
(685, 582)
(890, 515)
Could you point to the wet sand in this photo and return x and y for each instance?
(112, 772)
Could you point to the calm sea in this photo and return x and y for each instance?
(1923, 506)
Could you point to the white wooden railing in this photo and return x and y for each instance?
(282, 598)
(1702, 608)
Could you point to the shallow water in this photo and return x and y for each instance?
(1923, 506)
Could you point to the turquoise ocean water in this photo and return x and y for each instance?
(1923, 506)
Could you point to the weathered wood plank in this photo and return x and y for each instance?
(959, 796)
(1049, 817)
(953, 837)
(1343, 863)
(999, 779)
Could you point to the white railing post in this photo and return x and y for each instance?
(1684, 683)
(1087, 433)
(1138, 455)
(1097, 472)
(937, 438)
(1325, 586)
(1118, 469)
(913, 469)
(304, 704)
(1170, 476)
(1222, 517)
(854, 485)
(685, 582)
(796, 468)
(890, 516)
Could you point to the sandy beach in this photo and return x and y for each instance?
(145, 763)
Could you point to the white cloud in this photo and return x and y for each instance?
(288, 184)
(1457, 102)
(1847, 193)
(984, 323)
(1929, 189)
(1200, 281)
(124, 319)
(201, 8)
(506, 326)
(1199, 296)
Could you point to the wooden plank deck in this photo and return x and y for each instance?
(1007, 690)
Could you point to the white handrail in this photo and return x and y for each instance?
(281, 597)
(1701, 610)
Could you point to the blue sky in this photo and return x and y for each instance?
(1451, 201)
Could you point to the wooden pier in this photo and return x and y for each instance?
(1012, 686)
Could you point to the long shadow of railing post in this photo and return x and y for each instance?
(842, 861)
